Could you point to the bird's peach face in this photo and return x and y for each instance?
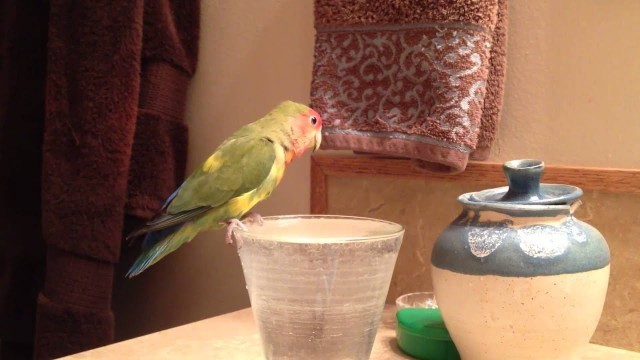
(310, 130)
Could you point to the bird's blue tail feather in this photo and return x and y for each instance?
(155, 237)
(148, 255)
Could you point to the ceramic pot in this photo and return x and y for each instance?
(516, 275)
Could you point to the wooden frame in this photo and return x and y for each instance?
(490, 174)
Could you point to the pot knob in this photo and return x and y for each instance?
(523, 177)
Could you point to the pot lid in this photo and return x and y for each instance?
(524, 187)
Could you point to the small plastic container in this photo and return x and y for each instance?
(423, 299)
(420, 330)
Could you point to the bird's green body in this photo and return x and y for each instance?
(243, 171)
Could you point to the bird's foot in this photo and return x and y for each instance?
(254, 218)
(232, 225)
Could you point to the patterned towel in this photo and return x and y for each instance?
(421, 79)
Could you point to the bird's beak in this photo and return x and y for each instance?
(318, 140)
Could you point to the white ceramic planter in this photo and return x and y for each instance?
(516, 275)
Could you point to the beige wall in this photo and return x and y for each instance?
(572, 79)
(573, 83)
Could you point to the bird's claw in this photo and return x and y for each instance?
(254, 218)
(232, 225)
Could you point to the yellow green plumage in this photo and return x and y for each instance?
(243, 171)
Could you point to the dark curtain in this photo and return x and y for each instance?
(23, 40)
(93, 138)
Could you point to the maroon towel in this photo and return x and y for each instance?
(114, 144)
(410, 78)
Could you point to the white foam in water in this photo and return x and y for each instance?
(318, 285)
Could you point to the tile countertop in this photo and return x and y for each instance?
(234, 336)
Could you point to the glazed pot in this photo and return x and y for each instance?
(516, 275)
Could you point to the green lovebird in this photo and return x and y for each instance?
(243, 171)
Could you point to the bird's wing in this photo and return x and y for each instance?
(237, 167)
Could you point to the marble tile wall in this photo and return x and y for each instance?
(425, 208)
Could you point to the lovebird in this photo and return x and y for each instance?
(221, 192)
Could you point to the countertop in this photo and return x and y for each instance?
(234, 336)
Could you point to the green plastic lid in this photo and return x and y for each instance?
(425, 322)
(421, 333)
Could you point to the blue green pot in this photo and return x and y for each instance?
(516, 275)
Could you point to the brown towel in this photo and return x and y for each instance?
(114, 145)
(411, 78)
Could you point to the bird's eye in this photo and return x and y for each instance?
(314, 120)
